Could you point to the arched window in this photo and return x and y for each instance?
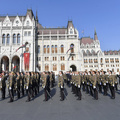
(44, 48)
(8, 39)
(46, 67)
(62, 66)
(101, 60)
(72, 48)
(3, 39)
(38, 49)
(88, 52)
(52, 48)
(93, 52)
(54, 67)
(62, 48)
(48, 49)
(14, 39)
(55, 48)
(18, 39)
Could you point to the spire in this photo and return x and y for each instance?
(95, 35)
(36, 16)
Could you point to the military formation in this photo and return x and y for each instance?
(29, 83)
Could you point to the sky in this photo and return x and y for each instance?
(87, 15)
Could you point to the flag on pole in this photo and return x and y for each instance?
(22, 46)
(69, 49)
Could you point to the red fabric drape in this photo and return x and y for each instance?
(26, 61)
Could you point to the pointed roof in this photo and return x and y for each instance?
(36, 16)
(95, 35)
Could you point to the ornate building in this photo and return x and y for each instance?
(49, 47)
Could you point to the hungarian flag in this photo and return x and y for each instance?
(26, 61)
(69, 49)
(22, 46)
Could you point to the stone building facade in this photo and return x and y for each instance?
(49, 47)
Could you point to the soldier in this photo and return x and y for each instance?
(94, 83)
(22, 83)
(61, 85)
(33, 84)
(28, 86)
(99, 82)
(87, 82)
(51, 80)
(38, 81)
(3, 84)
(104, 80)
(65, 77)
(116, 83)
(45, 85)
(18, 85)
(112, 84)
(68, 78)
(91, 84)
(83, 80)
(11, 86)
(78, 85)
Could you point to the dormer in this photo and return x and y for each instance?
(7, 22)
(17, 21)
(70, 28)
(27, 21)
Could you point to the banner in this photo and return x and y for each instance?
(26, 61)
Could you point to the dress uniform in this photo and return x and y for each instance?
(28, 86)
(61, 85)
(11, 86)
(22, 82)
(3, 85)
(17, 85)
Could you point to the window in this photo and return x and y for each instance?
(90, 61)
(112, 70)
(44, 48)
(25, 33)
(18, 39)
(52, 48)
(95, 61)
(38, 49)
(3, 39)
(107, 70)
(85, 61)
(55, 48)
(112, 60)
(27, 23)
(117, 60)
(8, 39)
(62, 48)
(72, 48)
(48, 49)
(117, 69)
(72, 58)
(54, 58)
(46, 67)
(62, 66)
(101, 60)
(107, 60)
(29, 33)
(71, 31)
(14, 39)
(62, 58)
(54, 67)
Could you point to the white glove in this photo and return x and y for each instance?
(71, 82)
(26, 87)
(68, 80)
(10, 88)
(87, 83)
(116, 82)
(113, 85)
(75, 84)
(16, 87)
(61, 86)
(94, 87)
(43, 86)
(100, 83)
(0, 79)
(78, 86)
(83, 82)
(104, 83)
(1, 86)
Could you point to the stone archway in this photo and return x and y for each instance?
(16, 64)
(4, 63)
(73, 67)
